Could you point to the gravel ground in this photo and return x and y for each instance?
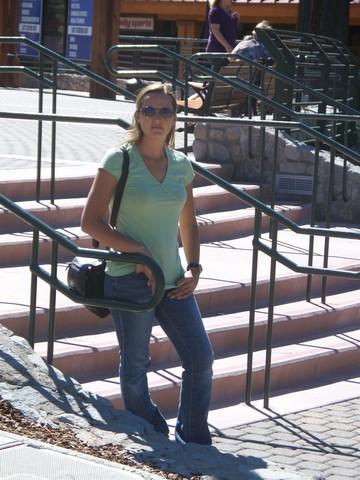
(12, 421)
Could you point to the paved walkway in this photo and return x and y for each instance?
(320, 443)
(308, 434)
(323, 440)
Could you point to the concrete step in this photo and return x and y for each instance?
(66, 212)
(16, 248)
(223, 288)
(292, 366)
(212, 198)
(70, 182)
(91, 357)
(220, 226)
(73, 182)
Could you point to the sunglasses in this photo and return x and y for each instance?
(163, 112)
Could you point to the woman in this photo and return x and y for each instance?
(222, 27)
(252, 48)
(157, 196)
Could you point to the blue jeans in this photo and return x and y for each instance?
(181, 320)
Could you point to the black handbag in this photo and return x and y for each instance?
(86, 276)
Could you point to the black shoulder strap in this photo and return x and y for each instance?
(120, 187)
(119, 190)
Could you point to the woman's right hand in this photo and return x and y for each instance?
(141, 268)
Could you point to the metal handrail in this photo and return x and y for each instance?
(249, 199)
(56, 58)
(353, 155)
(55, 283)
(294, 51)
(353, 114)
(61, 59)
(260, 208)
(210, 74)
(282, 111)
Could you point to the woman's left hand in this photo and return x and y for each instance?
(185, 286)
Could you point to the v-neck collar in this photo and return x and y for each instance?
(167, 154)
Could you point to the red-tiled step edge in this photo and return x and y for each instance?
(74, 183)
(16, 248)
(292, 366)
(214, 298)
(67, 211)
(91, 357)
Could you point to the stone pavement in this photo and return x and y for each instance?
(78, 144)
(298, 439)
(323, 440)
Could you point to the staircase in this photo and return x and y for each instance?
(314, 343)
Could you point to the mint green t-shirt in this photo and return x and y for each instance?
(149, 210)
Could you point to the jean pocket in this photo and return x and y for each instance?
(132, 287)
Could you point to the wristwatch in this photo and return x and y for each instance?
(194, 265)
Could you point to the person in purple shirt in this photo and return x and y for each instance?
(222, 29)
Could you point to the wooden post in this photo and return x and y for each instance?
(8, 27)
(105, 34)
(187, 29)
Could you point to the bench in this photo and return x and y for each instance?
(218, 96)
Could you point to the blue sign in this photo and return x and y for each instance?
(30, 24)
(79, 30)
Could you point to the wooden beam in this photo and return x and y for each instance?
(9, 12)
(278, 14)
(194, 11)
(354, 18)
(105, 34)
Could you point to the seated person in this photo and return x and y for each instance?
(250, 46)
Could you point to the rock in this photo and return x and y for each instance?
(201, 131)
(296, 168)
(218, 153)
(232, 134)
(292, 152)
(200, 151)
(216, 134)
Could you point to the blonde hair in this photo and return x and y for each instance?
(214, 3)
(263, 24)
(134, 132)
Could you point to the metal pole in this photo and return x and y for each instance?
(52, 303)
(53, 133)
(313, 216)
(274, 228)
(257, 232)
(33, 289)
(39, 139)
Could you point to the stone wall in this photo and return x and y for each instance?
(240, 145)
